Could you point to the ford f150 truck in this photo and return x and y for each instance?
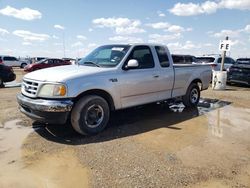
(110, 78)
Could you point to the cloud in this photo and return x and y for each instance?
(81, 37)
(247, 29)
(159, 25)
(175, 29)
(29, 36)
(24, 13)
(55, 37)
(161, 14)
(224, 33)
(3, 32)
(59, 27)
(57, 44)
(168, 27)
(233, 4)
(157, 38)
(125, 39)
(26, 43)
(121, 26)
(188, 45)
(77, 44)
(208, 7)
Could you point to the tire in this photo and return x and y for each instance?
(90, 115)
(192, 97)
(23, 65)
(1, 83)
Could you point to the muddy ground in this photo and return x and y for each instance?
(149, 146)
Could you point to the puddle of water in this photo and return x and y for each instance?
(51, 170)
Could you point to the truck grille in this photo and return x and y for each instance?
(30, 88)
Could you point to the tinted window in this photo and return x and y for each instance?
(243, 61)
(162, 56)
(178, 59)
(205, 59)
(229, 60)
(144, 57)
(9, 59)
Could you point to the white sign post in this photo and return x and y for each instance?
(219, 81)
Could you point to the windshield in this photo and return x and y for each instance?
(243, 61)
(41, 61)
(105, 56)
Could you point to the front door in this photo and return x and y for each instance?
(139, 85)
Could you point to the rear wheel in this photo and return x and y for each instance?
(90, 115)
(192, 97)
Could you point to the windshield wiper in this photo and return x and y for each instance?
(92, 63)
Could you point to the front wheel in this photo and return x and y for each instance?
(192, 97)
(23, 65)
(90, 115)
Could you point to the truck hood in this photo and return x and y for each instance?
(64, 73)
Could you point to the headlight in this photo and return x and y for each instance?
(52, 90)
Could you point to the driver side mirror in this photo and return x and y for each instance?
(132, 64)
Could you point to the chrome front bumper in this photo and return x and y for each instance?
(47, 111)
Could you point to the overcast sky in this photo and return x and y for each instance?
(52, 27)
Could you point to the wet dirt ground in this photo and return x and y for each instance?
(149, 146)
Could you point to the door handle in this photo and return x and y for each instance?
(156, 76)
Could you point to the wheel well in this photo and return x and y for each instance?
(198, 82)
(100, 93)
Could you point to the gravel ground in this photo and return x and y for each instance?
(149, 146)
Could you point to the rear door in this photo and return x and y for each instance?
(139, 85)
(166, 74)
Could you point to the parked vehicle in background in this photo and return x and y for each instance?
(240, 72)
(6, 74)
(112, 77)
(71, 60)
(45, 63)
(36, 59)
(13, 61)
(183, 59)
(215, 61)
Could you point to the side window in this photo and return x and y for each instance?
(162, 56)
(219, 60)
(9, 59)
(50, 61)
(144, 57)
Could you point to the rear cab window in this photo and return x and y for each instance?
(162, 56)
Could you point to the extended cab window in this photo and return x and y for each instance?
(162, 56)
(144, 57)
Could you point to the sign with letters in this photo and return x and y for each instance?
(225, 45)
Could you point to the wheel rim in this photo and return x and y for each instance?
(194, 95)
(94, 116)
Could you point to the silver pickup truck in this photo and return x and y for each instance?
(110, 78)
